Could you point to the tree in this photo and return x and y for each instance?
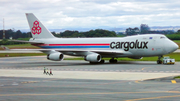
(18, 34)
(144, 29)
(178, 31)
(91, 33)
(132, 31)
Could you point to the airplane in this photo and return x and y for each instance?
(95, 49)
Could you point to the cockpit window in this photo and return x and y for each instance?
(162, 37)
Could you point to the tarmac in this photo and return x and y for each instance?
(22, 79)
(85, 75)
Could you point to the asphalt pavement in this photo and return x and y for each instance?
(22, 79)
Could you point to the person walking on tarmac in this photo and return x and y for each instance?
(50, 72)
(47, 71)
(44, 70)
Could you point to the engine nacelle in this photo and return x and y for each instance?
(57, 56)
(135, 57)
(93, 57)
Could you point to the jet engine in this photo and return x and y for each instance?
(57, 56)
(93, 57)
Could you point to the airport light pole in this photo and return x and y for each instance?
(3, 30)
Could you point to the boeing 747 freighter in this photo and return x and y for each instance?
(95, 49)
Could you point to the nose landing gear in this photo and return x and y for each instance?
(159, 61)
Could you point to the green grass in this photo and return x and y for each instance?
(177, 42)
(172, 55)
(176, 56)
(177, 77)
(20, 54)
(21, 46)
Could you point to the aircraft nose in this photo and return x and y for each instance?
(175, 46)
(172, 47)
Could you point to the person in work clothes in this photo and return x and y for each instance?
(44, 70)
(47, 71)
(50, 72)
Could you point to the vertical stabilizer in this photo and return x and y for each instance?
(38, 30)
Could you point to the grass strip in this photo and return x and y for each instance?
(20, 54)
(177, 77)
(176, 56)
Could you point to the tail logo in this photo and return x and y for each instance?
(36, 29)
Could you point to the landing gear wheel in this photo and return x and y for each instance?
(159, 61)
(112, 61)
(102, 61)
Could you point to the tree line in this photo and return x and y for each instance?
(14, 34)
(92, 33)
(66, 34)
(145, 29)
(175, 36)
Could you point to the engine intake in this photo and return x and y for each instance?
(93, 58)
(57, 56)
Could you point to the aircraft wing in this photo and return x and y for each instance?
(101, 52)
(76, 51)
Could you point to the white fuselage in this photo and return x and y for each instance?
(131, 46)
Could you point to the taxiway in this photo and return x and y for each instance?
(22, 78)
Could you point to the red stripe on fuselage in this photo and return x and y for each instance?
(72, 44)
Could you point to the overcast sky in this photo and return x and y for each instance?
(57, 14)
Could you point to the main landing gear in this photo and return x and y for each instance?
(113, 60)
(159, 61)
